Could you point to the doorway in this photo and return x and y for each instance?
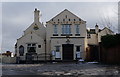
(67, 51)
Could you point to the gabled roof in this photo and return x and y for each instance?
(64, 11)
(107, 28)
(92, 31)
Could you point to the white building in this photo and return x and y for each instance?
(33, 40)
(94, 35)
(64, 36)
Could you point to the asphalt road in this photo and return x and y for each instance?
(60, 69)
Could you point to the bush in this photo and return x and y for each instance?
(109, 41)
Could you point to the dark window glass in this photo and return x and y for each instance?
(21, 50)
(79, 19)
(39, 46)
(66, 16)
(77, 48)
(69, 19)
(57, 48)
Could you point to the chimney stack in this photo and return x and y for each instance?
(96, 28)
(36, 15)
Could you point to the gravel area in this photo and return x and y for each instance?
(59, 69)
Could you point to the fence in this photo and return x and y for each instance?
(34, 58)
(110, 55)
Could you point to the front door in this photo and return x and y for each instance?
(67, 51)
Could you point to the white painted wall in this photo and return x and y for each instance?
(52, 42)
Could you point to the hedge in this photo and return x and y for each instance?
(109, 41)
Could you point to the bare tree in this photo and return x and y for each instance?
(109, 21)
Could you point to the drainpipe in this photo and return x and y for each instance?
(45, 49)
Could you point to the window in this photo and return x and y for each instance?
(57, 48)
(21, 50)
(57, 53)
(78, 48)
(88, 36)
(74, 19)
(31, 47)
(77, 29)
(66, 29)
(69, 19)
(66, 16)
(55, 29)
(58, 19)
(39, 46)
(79, 19)
(78, 52)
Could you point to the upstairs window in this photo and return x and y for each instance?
(66, 29)
(55, 29)
(66, 16)
(77, 29)
(74, 20)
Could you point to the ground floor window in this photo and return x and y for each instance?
(57, 52)
(57, 48)
(21, 50)
(78, 52)
(31, 47)
(78, 48)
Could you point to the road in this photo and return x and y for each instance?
(59, 69)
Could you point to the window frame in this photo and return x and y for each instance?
(66, 29)
(77, 29)
(79, 48)
(55, 29)
(57, 48)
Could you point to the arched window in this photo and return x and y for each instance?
(21, 50)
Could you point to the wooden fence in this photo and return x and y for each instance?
(110, 55)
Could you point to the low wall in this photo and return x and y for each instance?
(8, 59)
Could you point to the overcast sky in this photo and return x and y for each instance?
(17, 16)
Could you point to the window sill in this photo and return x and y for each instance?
(77, 34)
(66, 34)
(55, 34)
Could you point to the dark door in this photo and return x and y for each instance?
(67, 51)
